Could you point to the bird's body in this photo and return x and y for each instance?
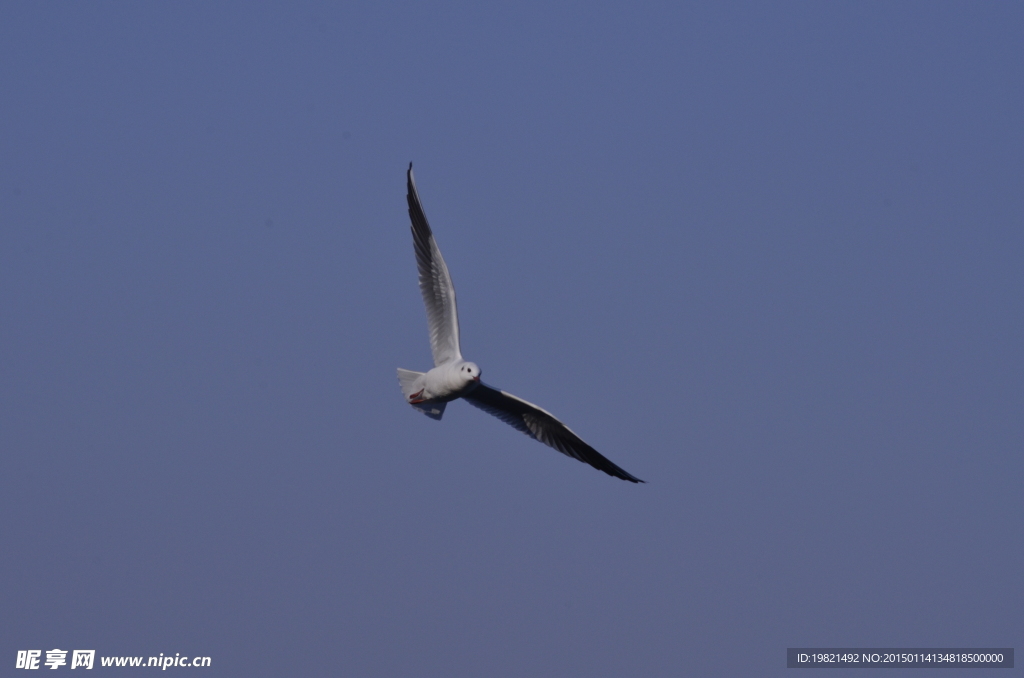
(442, 384)
(453, 377)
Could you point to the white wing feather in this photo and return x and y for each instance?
(435, 284)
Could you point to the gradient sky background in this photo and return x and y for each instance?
(767, 257)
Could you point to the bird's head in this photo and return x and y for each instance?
(469, 372)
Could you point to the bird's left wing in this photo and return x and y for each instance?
(542, 426)
(435, 283)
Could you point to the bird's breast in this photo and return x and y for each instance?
(439, 384)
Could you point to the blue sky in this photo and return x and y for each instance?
(765, 257)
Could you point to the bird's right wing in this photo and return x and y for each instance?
(435, 283)
(542, 426)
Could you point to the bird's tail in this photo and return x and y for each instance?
(407, 380)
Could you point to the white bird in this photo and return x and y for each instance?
(452, 377)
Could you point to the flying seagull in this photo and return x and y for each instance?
(453, 377)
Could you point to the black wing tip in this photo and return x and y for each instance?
(410, 185)
(602, 463)
(625, 476)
